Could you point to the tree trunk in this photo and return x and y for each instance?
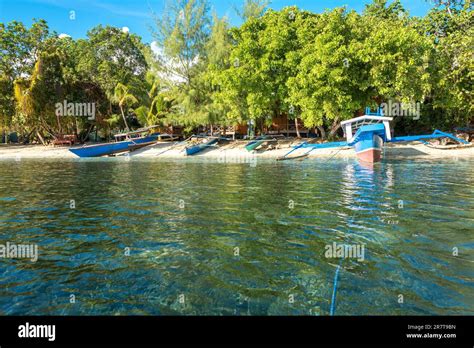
(297, 128)
(45, 127)
(334, 128)
(87, 134)
(40, 137)
(322, 131)
(59, 125)
(448, 7)
(124, 120)
(76, 131)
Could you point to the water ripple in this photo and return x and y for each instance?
(235, 239)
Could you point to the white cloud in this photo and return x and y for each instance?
(125, 30)
(63, 36)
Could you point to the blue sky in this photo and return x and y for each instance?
(136, 14)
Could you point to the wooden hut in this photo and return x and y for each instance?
(283, 125)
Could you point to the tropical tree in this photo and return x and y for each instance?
(36, 97)
(153, 105)
(398, 58)
(382, 10)
(252, 9)
(181, 34)
(451, 35)
(200, 71)
(330, 83)
(111, 56)
(20, 47)
(7, 102)
(217, 49)
(254, 85)
(124, 99)
(451, 6)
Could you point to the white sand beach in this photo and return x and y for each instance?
(234, 151)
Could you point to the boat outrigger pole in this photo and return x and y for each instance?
(436, 134)
(367, 135)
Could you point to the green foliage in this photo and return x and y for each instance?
(254, 85)
(322, 68)
(7, 102)
(252, 9)
(331, 82)
(110, 56)
(398, 57)
(125, 101)
(182, 33)
(381, 10)
(20, 47)
(451, 6)
(453, 67)
(153, 106)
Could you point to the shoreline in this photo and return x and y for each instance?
(235, 150)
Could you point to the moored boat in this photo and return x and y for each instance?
(132, 141)
(143, 142)
(191, 150)
(258, 141)
(251, 146)
(369, 149)
(367, 135)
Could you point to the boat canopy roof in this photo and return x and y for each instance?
(351, 126)
(138, 131)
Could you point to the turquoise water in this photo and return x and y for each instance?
(160, 238)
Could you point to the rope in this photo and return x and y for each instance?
(335, 154)
(334, 291)
(332, 309)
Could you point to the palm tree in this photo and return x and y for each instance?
(148, 112)
(123, 98)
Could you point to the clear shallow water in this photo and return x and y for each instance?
(190, 250)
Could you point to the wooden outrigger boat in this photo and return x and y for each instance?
(252, 145)
(367, 135)
(191, 150)
(258, 141)
(124, 142)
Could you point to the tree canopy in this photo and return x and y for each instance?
(320, 68)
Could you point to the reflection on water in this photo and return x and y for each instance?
(156, 237)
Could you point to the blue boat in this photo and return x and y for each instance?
(131, 142)
(367, 135)
(191, 150)
(368, 142)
